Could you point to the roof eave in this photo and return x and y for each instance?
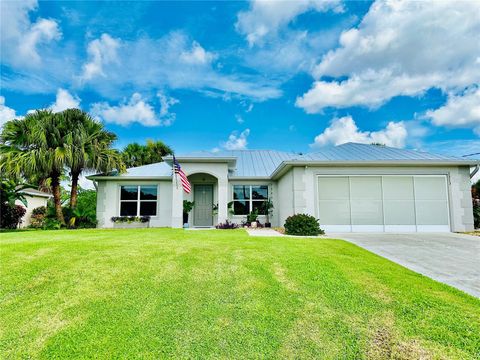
(126, 177)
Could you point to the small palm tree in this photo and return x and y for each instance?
(36, 145)
(91, 144)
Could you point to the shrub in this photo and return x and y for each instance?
(51, 224)
(227, 225)
(253, 216)
(37, 219)
(303, 225)
(11, 215)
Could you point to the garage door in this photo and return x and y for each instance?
(383, 203)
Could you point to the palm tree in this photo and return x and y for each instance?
(135, 154)
(36, 145)
(91, 143)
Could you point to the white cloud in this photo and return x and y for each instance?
(345, 130)
(459, 111)
(135, 110)
(21, 38)
(239, 119)
(102, 51)
(177, 62)
(400, 48)
(165, 103)
(267, 17)
(65, 100)
(237, 141)
(197, 55)
(6, 113)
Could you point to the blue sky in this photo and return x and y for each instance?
(294, 76)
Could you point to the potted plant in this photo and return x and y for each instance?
(267, 211)
(187, 207)
(252, 218)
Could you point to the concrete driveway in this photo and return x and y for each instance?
(453, 259)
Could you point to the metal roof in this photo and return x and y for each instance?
(354, 152)
(265, 163)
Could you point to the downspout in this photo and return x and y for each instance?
(474, 171)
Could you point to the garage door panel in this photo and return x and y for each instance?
(334, 188)
(399, 212)
(430, 188)
(366, 187)
(398, 188)
(367, 212)
(334, 212)
(431, 212)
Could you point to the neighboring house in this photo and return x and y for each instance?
(35, 198)
(351, 187)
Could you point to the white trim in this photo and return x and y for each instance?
(433, 228)
(138, 200)
(400, 228)
(250, 200)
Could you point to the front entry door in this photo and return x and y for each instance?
(203, 208)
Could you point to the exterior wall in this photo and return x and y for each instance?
(458, 179)
(32, 202)
(108, 201)
(273, 194)
(285, 192)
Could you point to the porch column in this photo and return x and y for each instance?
(222, 199)
(177, 205)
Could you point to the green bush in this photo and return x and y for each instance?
(37, 219)
(303, 225)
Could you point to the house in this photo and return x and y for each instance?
(35, 198)
(350, 187)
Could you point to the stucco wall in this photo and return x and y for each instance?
(108, 201)
(32, 202)
(458, 178)
(285, 197)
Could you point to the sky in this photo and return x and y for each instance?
(292, 76)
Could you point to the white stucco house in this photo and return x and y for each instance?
(35, 198)
(351, 187)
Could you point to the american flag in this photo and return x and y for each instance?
(183, 177)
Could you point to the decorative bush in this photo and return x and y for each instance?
(253, 216)
(51, 224)
(11, 215)
(227, 225)
(303, 225)
(37, 219)
(130, 219)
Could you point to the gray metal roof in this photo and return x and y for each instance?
(263, 163)
(355, 152)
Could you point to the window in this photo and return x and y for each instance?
(138, 200)
(247, 198)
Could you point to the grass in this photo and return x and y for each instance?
(158, 293)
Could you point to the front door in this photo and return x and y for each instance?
(203, 208)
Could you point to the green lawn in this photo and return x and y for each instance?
(154, 293)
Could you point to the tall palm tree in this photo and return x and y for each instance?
(92, 144)
(36, 145)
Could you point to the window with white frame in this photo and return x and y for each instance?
(138, 200)
(248, 198)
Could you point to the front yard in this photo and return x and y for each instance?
(153, 293)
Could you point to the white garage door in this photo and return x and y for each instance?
(383, 203)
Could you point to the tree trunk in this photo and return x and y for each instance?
(74, 190)
(56, 197)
